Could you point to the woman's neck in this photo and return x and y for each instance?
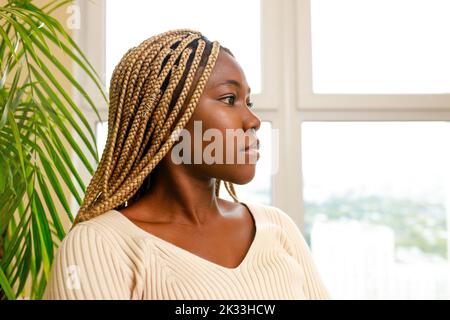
(179, 196)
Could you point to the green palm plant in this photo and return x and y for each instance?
(40, 125)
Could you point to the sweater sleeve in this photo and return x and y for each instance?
(314, 287)
(85, 267)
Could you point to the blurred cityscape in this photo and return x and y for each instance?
(369, 254)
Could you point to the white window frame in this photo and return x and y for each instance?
(356, 102)
(286, 98)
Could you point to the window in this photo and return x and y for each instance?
(101, 133)
(384, 46)
(130, 22)
(377, 207)
(373, 105)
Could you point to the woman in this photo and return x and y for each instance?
(152, 225)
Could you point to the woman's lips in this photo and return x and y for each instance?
(252, 150)
(254, 145)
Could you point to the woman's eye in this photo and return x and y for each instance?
(230, 97)
(249, 104)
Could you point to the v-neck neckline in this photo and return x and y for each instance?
(169, 244)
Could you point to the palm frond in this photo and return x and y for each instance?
(40, 126)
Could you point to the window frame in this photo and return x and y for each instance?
(371, 102)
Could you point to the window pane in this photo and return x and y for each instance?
(130, 22)
(259, 189)
(377, 206)
(383, 46)
(101, 134)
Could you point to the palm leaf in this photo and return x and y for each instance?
(40, 126)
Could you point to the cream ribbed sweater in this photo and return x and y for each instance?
(109, 257)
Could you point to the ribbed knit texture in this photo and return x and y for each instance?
(109, 257)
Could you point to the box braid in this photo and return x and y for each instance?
(148, 90)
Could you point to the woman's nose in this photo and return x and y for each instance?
(252, 122)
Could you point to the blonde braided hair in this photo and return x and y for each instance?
(144, 87)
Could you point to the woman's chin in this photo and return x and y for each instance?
(243, 174)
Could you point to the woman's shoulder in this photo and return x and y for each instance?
(98, 260)
(279, 222)
(106, 236)
(270, 213)
(110, 224)
(107, 231)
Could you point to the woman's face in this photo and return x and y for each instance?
(221, 127)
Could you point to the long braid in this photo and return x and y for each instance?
(217, 187)
(93, 191)
(148, 89)
(125, 157)
(230, 188)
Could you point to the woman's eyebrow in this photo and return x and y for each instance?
(233, 82)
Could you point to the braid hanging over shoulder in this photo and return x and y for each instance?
(151, 98)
